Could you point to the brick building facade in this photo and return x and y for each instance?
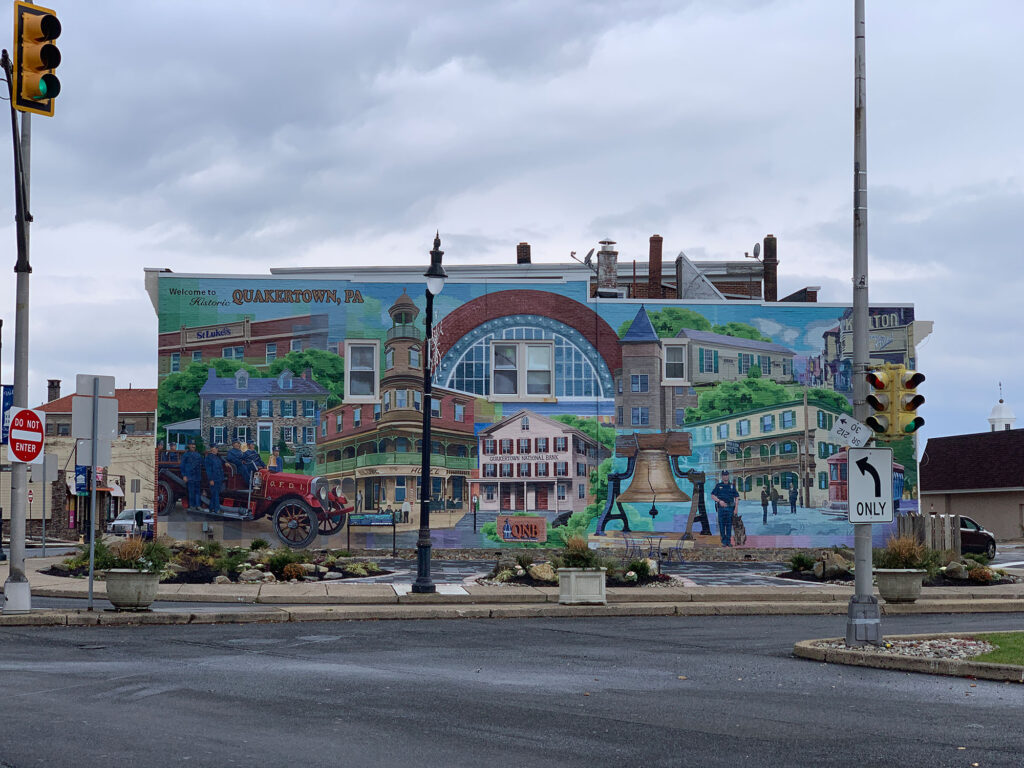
(256, 342)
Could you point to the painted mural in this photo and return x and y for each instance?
(292, 412)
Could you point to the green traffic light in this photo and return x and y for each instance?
(49, 87)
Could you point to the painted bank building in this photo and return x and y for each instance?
(604, 397)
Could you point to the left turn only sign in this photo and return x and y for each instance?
(28, 429)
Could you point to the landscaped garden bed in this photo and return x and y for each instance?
(526, 569)
(213, 563)
(943, 568)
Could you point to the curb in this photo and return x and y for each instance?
(983, 670)
(477, 610)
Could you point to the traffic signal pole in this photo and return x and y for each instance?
(863, 623)
(17, 594)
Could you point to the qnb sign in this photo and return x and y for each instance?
(515, 528)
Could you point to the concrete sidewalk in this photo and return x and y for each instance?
(325, 601)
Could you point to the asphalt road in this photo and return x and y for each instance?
(719, 691)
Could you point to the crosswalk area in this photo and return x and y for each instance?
(700, 574)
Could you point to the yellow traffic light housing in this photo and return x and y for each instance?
(908, 401)
(881, 401)
(34, 84)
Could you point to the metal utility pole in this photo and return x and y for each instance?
(17, 593)
(863, 624)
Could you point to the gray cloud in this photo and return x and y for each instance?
(239, 138)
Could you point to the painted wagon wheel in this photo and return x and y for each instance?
(332, 523)
(164, 497)
(295, 523)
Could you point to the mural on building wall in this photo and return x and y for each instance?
(599, 416)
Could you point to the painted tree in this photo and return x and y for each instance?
(178, 394)
(591, 428)
(328, 370)
(741, 331)
(731, 397)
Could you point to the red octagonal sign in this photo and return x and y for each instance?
(26, 436)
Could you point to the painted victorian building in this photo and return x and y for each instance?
(372, 441)
(532, 463)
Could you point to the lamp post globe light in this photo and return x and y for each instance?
(435, 283)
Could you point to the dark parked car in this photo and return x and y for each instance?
(974, 538)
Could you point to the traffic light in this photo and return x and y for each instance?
(881, 400)
(35, 57)
(908, 401)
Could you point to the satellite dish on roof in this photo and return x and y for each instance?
(589, 258)
(757, 250)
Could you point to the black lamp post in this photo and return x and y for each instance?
(435, 283)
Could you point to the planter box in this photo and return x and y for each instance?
(581, 586)
(131, 590)
(899, 585)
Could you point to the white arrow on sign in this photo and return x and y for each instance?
(850, 431)
(869, 473)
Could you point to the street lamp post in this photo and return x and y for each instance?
(435, 283)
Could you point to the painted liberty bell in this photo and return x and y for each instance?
(652, 469)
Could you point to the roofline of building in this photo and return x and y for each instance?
(810, 401)
(540, 273)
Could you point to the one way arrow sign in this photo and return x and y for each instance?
(869, 473)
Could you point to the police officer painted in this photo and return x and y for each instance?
(725, 496)
(192, 471)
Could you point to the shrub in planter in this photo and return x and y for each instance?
(900, 552)
(578, 554)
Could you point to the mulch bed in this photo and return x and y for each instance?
(938, 581)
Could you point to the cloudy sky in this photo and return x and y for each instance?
(233, 137)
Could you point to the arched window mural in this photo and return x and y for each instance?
(580, 372)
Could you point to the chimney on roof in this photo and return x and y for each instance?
(211, 374)
(607, 269)
(308, 374)
(52, 390)
(771, 268)
(523, 253)
(654, 268)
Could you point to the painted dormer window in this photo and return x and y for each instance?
(241, 379)
(285, 379)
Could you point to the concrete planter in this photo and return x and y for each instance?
(899, 585)
(131, 590)
(581, 586)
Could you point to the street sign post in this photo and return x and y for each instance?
(27, 434)
(6, 403)
(49, 477)
(869, 475)
(100, 431)
(851, 432)
(30, 495)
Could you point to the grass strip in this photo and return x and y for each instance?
(1009, 648)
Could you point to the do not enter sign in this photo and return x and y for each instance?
(26, 435)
